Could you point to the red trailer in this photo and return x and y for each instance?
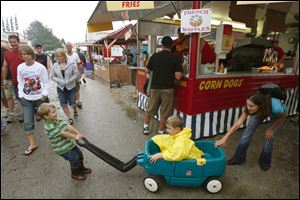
(209, 104)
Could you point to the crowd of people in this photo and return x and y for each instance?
(26, 76)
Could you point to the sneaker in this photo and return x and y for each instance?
(163, 132)
(70, 121)
(10, 118)
(75, 115)
(295, 119)
(146, 130)
(265, 167)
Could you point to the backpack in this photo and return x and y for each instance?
(274, 91)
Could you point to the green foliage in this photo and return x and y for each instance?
(62, 41)
(38, 33)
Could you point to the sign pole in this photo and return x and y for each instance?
(194, 47)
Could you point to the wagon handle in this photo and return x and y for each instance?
(81, 142)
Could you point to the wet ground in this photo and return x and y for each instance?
(111, 120)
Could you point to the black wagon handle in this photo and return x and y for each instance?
(108, 158)
(82, 142)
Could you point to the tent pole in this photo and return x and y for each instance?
(137, 44)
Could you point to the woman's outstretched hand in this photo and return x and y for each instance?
(221, 142)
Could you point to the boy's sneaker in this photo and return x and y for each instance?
(161, 132)
(146, 130)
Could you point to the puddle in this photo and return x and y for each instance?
(126, 98)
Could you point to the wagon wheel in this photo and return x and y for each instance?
(151, 183)
(213, 185)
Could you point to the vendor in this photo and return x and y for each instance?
(181, 48)
(129, 57)
(123, 59)
(280, 53)
(207, 51)
(181, 45)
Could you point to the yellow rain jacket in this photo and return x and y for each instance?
(179, 146)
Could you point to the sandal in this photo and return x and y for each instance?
(70, 121)
(79, 104)
(75, 115)
(29, 151)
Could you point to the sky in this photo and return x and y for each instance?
(67, 19)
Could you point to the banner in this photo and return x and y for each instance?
(129, 5)
(196, 21)
(258, 2)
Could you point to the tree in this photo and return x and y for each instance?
(3, 25)
(16, 23)
(38, 33)
(62, 41)
(12, 24)
(7, 25)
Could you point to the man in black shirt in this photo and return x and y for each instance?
(42, 58)
(166, 67)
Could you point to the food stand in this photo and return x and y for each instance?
(210, 103)
(111, 70)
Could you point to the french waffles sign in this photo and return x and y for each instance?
(196, 21)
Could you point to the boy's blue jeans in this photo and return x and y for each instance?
(241, 150)
(74, 156)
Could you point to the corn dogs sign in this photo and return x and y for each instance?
(220, 84)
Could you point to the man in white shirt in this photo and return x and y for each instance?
(73, 57)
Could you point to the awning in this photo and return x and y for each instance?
(120, 34)
(275, 17)
(101, 19)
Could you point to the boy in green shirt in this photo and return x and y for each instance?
(60, 134)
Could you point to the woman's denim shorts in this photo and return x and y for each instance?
(67, 97)
(29, 108)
